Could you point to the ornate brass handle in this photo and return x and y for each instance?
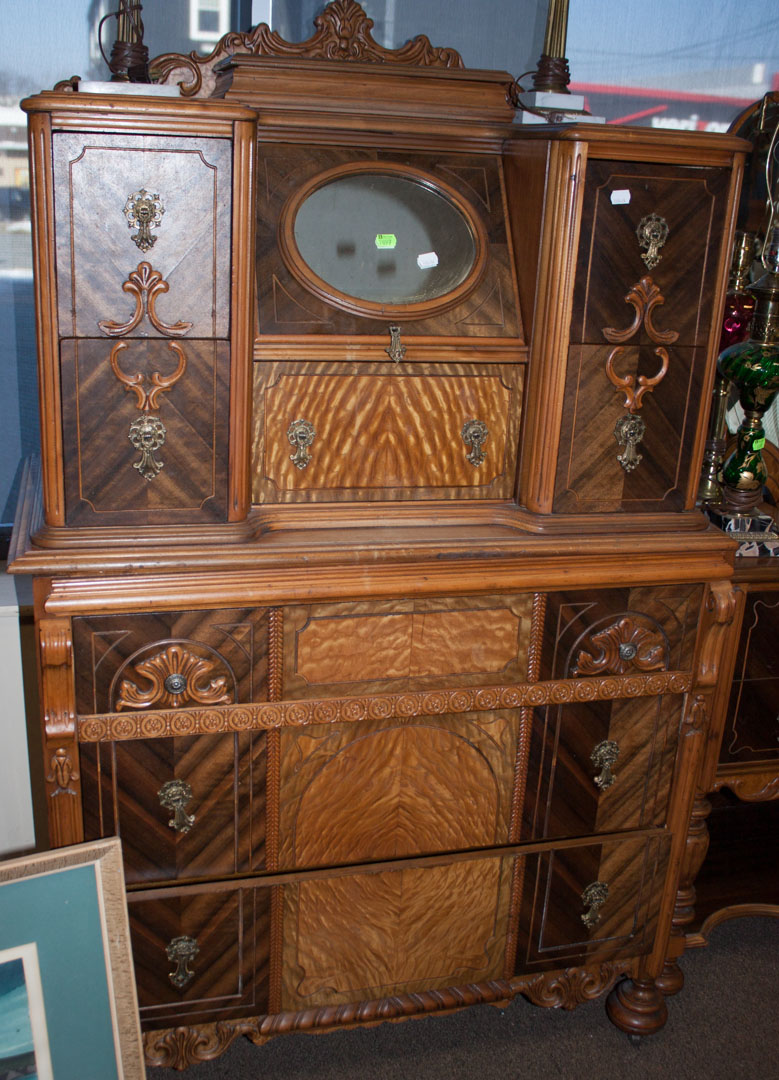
(300, 434)
(475, 434)
(603, 757)
(652, 233)
(180, 951)
(594, 897)
(396, 350)
(174, 795)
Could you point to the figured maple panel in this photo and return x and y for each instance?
(692, 202)
(552, 930)
(355, 648)
(384, 433)
(222, 816)
(230, 972)
(370, 936)
(285, 306)
(94, 177)
(589, 476)
(103, 486)
(372, 791)
(751, 725)
(578, 783)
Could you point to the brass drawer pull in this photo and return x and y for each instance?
(180, 952)
(603, 757)
(300, 434)
(475, 434)
(174, 795)
(396, 350)
(594, 897)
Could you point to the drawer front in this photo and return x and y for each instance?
(620, 631)
(220, 968)
(590, 902)
(385, 433)
(752, 725)
(186, 807)
(145, 457)
(170, 659)
(589, 477)
(600, 766)
(372, 935)
(368, 790)
(619, 196)
(100, 243)
(332, 650)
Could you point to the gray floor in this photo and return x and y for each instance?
(723, 1026)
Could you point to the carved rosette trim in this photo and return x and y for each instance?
(343, 32)
(624, 645)
(265, 716)
(144, 284)
(177, 676)
(179, 1047)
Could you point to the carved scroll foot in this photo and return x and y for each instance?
(637, 1007)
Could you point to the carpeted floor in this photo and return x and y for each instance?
(724, 1025)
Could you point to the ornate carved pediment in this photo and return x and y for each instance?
(343, 32)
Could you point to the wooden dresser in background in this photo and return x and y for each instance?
(377, 621)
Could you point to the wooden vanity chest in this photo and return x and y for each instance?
(392, 678)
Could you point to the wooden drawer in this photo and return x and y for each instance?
(332, 650)
(94, 179)
(185, 807)
(371, 935)
(384, 432)
(600, 766)
(110, 478)
(590, 902)
(618, 196)
(620, 631)
(377, 791)
(227, 936)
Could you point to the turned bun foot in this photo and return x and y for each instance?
(637, 1007)
(671, 978)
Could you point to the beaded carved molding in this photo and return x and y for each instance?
(269, 715)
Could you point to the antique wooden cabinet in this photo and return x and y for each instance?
(374, 612)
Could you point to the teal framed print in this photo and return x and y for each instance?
(68, 1007)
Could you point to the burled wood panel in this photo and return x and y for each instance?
(589, 478)
(122, 783)
(552, 933)
(111, 650)
(384, 432)
(563, 798)
(286, 307)
(94, 176)
(385, 791)
(661, 621)
(348, 648)
(374, 935)
(231, 971)
(692, 202)
(102, 485)
(751, 725)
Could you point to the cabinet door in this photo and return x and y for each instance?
(590, 902)
(202, 955)
(752, 725)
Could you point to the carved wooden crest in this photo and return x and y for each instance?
(343, 32)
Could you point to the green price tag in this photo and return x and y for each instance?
(386, 240)
(758, 444)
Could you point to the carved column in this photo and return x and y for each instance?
(60, 747)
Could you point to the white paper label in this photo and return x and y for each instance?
(621, 197)
(426, 260)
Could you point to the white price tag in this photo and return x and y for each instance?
(620, 197)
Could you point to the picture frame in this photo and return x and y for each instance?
(67, 991)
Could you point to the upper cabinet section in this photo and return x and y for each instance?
(350, 240)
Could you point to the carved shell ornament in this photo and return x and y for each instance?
(625, 645)
(176, 676)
